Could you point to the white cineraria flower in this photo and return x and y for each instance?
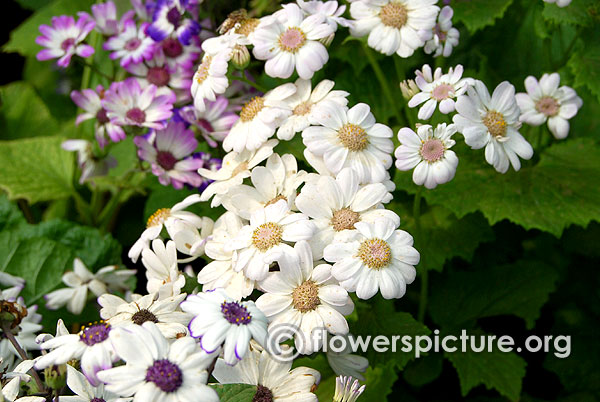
(493, 123)
(10, 390)
(81, 280)
(445, 36)
(328, 9)
(335, 204)
(162, 218)
(221, 321)
(188, 240)
(259, 118)
(394, 26)
(346, 363)
(264, 239)
(156, 370)
(428, 152)
(560, 3)
(162, 271)
(275, 380)
(210, 78)
(219, 272)
(375, 257)
(278, 180)
(165, 313)
(85, 392)
(306, 297)
(235, 168)
(443, 89)
(289, 41)
(347, 390)
(304, 104)
(351, 138)
(7, 279)
(546, 101)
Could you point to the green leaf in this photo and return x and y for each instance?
(548, 196)
(423, 370)
(579, 12)
(10, 215)
(36, 169)
(501, 371)
(379, 384)
(585, 65)
(33, 4)
(460, 298)
(22, 112)
(235, 392)
(477, 14)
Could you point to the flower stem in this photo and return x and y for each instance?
(424, 273)
(383, 83)
(9, 335)
(254, 85)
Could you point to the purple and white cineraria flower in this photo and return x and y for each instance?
(445, 37)
(131, 44)
(169, 151)
(91, 102)
(90, 165)
(85, 392)
(156, 370)
(105, 15)
(177, 54)
(169, 18)
(221, 321)
(127, 104)
(64, 39)
(214, 123)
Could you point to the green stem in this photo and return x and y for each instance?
(83, 208)
(424, 273)
(9, 335)
(87, 70)
(383, 83)
(254, 85)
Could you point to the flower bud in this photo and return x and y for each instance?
(240, 57)
(409, 88)
(328, 39)
(55, 377)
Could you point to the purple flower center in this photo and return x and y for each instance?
(67, 43)
(94, 333)
(174, 16)
(205, 125)
(172, 48)
(235, 313)
(263, 394)
(158, 76)
(166, 375)
(136, 115)
(166, 160)
(132, 44)
(102, 117)
(437, 30)
(97, 400)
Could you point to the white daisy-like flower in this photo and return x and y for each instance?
(81, 280)
(305, 103)
(546, 101)
(11, 384)
(427, 74)
(165, 313)
(306, 297)
(235, 168)
(394, 26)
(443, 90)
(351, 138)
(278, 180)
(189, 240)
(210, 78)
(259, 118)
(162, 271)
(219, 272)
(156, 370)
(347, 389)
(335, 204)
(345, 362)
(221, 321)
(445, 36)
(85, 392)
(331, 10)
(289, 41)
(275, 380)
(375, 257)
(428, 152)
(560, 3)
(264, 239)
(493, 123)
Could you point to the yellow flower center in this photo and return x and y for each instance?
(303, 108)
(292, 40)
(393, 15)
(343, 219)
(267, 235)
(306, 297)
(251, 108)
(158, 217)
(353, 137)
(202, 72)
(495, 123)
(375, 253)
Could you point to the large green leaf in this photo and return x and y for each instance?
(579, 12)
(10, 215)
(235, 392)
(585, 65)
(460, 298)
(562, 189)
(477, 14)
(379, 382)
(36, 169)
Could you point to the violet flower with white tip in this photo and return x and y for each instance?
(65, 38)
(131, 44)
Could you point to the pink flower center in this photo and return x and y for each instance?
(267, 235)
(292, 40)
(102, 117)
(437, 30)
(172, 48)
(174, 16)
(375, 253)
(442, 91)
(132, 44)
(166, 160)
(205, 125)
(136, 115)
(67, 43)
(548, 106)
(432, 150)
(158, 76)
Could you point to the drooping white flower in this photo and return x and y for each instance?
(81, 280)
(351, 138)
(189, 240)
(546, 101)
(264, 239)
(347, 390)
(330, 10)
(221, 321)
(156, 370)
(428, 152)
(376, 257)
(289, 41)
(346, 363)
(85, 392)
(162, 271)
(443, 90)
(335, 204)
(394, 26)
(493, 123)
(560, 3)
(445, 36)
(10, 390)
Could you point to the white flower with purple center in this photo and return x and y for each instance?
(156, 370)
(169, 151)
(220, 321)
(90, 345)
(214, 123)
(445, 37)
(131, 44)
(169, 18)
(127, 104)
(105, 15)
(428, 152)
(443, 90)
(546, 101)
(85, 392)
(64, 39)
